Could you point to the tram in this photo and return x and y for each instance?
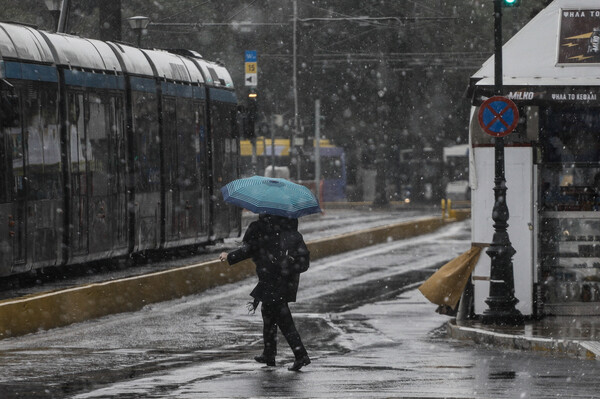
(109, 150)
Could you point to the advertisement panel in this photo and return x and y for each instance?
(579, 37)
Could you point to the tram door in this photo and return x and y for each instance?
(187, 207)
(14, 200)
(43, 173)
(225, 166)
(202, 166)
(97, 155)
(182, 192)
(170, 170)
(105, 157)
(79, 197)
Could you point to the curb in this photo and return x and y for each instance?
(63, 307)
(571, 348)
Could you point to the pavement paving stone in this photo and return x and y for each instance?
(575, 336)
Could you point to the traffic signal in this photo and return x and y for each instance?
(510, 3)
(251, 115)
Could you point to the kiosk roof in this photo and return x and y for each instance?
(531, 57)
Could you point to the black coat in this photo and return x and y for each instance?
(280, 254)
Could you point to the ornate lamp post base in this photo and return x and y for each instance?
(502, 301)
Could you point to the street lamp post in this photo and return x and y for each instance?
(138, 24)
(501, 300)
(54, 7)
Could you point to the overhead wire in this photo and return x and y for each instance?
(187, 11)
(244, 8)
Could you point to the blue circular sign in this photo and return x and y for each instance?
(498, 116)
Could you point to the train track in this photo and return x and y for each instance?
(330, 223)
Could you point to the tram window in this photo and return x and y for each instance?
(43, 142)
(146, 152)
(10, 167)
(117, 155)
(9, 109)
(11, 155)
(170, 142)
(15, 140)
(200, 137)
(97, 145)
(52, 178)
(76, 126)
(187, 147)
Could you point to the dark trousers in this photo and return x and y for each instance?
(278, 314)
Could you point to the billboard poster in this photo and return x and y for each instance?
(579, 36)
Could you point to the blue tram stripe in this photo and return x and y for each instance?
(20, 70)
(223, 95)
(96, 80)
(175, 90)
(143, 84)
(199, 92)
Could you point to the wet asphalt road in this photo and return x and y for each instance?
(368, 331)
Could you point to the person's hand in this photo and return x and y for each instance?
(223, 256)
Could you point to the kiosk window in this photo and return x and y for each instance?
(570, 134)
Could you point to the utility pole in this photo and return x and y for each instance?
(294, 134)
(317, 146)
(109, 14)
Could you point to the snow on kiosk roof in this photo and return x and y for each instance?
(559, 47)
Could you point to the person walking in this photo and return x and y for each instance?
(280, 254)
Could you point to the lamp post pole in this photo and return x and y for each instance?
(501, 299)
(138, 24)
(294, 134)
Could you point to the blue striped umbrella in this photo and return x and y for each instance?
(272, 196)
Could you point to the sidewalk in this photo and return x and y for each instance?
(558, 335)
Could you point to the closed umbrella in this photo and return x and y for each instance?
(272, 196)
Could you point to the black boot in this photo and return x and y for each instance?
(299, 363)
(270, 361)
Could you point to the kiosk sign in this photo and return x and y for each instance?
(498, 116)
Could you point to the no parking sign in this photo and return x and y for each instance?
(498, 116)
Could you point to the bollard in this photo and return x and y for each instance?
(451, 212)
(443, 209)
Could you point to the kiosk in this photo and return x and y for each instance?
(552, 72)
